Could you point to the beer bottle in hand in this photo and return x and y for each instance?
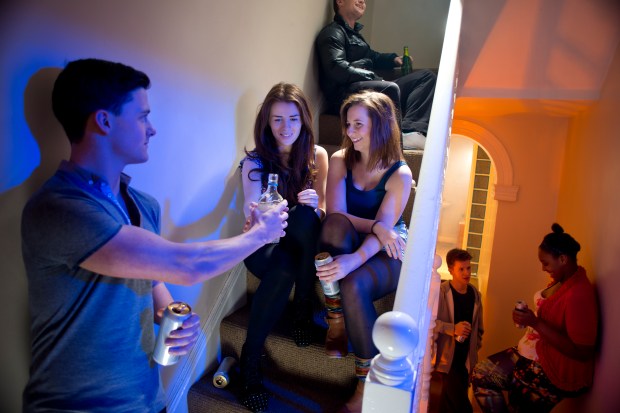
(270, 197)
(405, 69)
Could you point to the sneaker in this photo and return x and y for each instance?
(413, 140)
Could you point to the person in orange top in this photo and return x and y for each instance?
(555, 357)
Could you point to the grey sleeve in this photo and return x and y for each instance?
(65, 229)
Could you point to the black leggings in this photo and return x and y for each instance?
(374, 279)
(279, 266)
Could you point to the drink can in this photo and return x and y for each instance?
(460, 339)
(520, 306)
(173, 318)
(329, 288)
(221, 378)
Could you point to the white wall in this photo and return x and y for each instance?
(210, 62)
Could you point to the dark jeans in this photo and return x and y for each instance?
(448, 393)
(279, 267)
(412, 95)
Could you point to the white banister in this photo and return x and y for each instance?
(417, 275)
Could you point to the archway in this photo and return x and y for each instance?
(484, 173)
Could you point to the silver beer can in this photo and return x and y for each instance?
(221, 378)
(520, 306)
(173, 318)
(460, 339)
(329, 288)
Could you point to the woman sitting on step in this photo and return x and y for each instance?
(368, 185)
(284, 144)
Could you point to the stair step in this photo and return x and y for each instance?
(310, 397)
(301, 379)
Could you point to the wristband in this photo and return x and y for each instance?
(373, 227)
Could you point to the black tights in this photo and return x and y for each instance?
(374, 279)
(279, 266)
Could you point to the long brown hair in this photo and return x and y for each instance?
(301, 166)
(384, 134)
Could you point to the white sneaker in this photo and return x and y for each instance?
(413, 140)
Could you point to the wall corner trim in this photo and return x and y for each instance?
(506, 192)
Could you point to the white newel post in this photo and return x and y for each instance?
(389, 385)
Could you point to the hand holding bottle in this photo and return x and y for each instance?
(271, 198)
(271, 222)
(407, 62)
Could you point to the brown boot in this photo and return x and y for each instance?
(354, 405)
(336, 342)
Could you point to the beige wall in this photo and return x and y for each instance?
(534, 143)
(419, 24)
(210, 62)
(588, 205)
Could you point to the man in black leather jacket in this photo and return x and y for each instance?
(347, 64)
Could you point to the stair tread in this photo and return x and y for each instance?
(313, 396)
(282, 356)
(301, 379)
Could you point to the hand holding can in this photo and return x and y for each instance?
(520, 306)
(329, 288)
(173, 318)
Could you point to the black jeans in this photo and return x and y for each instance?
(279, 267)
(412, 95)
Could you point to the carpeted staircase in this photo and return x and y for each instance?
(301, 379)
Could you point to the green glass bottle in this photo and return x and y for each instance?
(405, 69)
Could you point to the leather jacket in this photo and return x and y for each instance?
(345, 58)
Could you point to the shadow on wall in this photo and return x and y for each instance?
(227, 217)
(53, 147)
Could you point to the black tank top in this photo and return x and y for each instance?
(365, 204)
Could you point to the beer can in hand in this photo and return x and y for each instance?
(460, 339)
(173, 318)
(329, 288)
(221, 378)
(520, 306)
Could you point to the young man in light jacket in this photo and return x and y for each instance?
(458, 337)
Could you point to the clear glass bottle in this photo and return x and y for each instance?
(270, 197)
(406, 68)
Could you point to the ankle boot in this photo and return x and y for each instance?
(336, 342)
(253, 396)
(354, 405)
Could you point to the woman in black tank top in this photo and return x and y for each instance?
(368, 185)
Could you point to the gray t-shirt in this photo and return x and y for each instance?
(92, 336)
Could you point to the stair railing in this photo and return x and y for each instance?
(405, 336)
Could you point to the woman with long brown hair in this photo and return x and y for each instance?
(284, 144)
(368, 186)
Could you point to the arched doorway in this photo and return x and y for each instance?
(478, 174)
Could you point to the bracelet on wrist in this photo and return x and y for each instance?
(372, 228)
